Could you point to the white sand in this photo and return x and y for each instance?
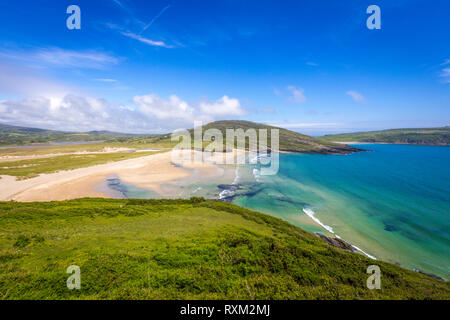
(147, 172)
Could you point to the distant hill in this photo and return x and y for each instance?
(290, 141)
(15, 135)
(423, 136)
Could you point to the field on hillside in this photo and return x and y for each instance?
(24, 169)
(427, 136)
(181, 249)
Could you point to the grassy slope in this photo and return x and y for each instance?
(289, 140)
(430, 136)
(15, 135)
(179, 249)
(24, 169)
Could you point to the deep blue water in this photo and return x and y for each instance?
(393, 202)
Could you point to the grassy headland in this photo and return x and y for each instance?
(426, 136)
(289, 141)
(182, 249)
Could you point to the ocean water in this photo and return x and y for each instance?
(392, 203)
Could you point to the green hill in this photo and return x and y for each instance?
(182, 249)
(290, 141)
(426, 136)
(15, 135)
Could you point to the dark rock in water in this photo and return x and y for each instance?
(390, 228)
(429, 274)
(336, 242)
(231, 187)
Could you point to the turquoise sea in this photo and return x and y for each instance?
(393, 203)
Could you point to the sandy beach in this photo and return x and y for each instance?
(145, 172)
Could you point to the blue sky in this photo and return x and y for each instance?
(153, 66)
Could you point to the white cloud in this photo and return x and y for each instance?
(147, 114)
(312, 64)
(356, 96)
(298, 95)
(225, 106)
(174, 108)
(145, 40)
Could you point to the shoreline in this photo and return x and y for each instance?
(149, 172)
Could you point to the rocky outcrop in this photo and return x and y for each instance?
(336, 242)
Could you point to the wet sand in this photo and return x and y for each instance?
(146, 172)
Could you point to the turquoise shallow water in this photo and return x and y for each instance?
(393, 203)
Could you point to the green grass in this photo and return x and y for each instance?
(427, 136)
(24, 169)
(181, 249)
(289, 141)
(15, 135)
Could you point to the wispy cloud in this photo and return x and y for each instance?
(356, 96)
(298, 94)
(445, 72)
(155, 18)
(145, 40)
(106, 80)
(312, 64)
(57, 57)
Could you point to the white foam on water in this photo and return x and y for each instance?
(236, 177)
(256, 175)
(225, 194)
(365, 253)
(310, 213)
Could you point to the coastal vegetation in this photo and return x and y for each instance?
(182, 249)
(24, 169)
(15, 135)
(290, 141)
(424, 136)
